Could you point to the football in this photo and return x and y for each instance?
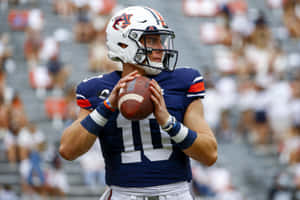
(134, 99)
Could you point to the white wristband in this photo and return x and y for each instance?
(98, 118)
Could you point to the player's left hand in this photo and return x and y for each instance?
(160, 109)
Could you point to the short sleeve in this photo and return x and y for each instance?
(196, 88)
(86, 93)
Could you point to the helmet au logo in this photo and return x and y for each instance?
(122, 21)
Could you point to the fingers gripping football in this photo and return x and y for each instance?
(137, 96)
(134, 99)
(160, 109)
(113, 97)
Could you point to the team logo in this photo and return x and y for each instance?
(103, 94)
(122, 21)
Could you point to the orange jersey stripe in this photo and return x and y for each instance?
(83, 103)
(197, 87)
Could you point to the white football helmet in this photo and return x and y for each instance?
(123, 34)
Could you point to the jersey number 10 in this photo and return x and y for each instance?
(130, 155)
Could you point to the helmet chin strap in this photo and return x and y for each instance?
(150, 70)
(158, 65)
(156, 68)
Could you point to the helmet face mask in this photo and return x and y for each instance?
(131, 35)
(145, 49)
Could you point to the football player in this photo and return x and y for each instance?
(146, 159)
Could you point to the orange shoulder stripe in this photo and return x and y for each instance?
(83, 103)
(197, 87)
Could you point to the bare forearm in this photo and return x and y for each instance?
(75, 141)
(204, 149)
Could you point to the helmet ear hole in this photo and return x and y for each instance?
(122, 45)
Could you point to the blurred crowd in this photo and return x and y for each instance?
(255, 75)
(25, 146)
(258, 80)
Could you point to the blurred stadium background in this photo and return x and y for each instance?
(248, 52)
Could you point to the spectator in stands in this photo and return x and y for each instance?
(246, 97)
(262, 133)
(295, 100)
(56, 180)
(280, 188)
(259, 48)
(7, 193)
(212, 105)
(11, 120)
(273, 4)
(16, 121)
(214, 183)
(17, 103)
(241, 26)
(32, 143)
(290, 140)
(34, 41)
(5, 51)
(35, 20)
(223, 20)
(98, 60)
(291, 17)
(289, 143)
(4, 113)
(49, 49)
(286, 183)
(94, 175)
(83, 29)
(278, 108)
(227, 89)
(295, 156)
(6, 92)
(63, 7)
(32, 46)
(201, 184)
(222, 185)
(58, 72)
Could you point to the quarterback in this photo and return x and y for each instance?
(147, 159)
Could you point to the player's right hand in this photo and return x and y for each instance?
(114, 95)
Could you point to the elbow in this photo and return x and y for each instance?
(212, 159)
(66, 153)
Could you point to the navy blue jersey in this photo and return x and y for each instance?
(140, 153)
